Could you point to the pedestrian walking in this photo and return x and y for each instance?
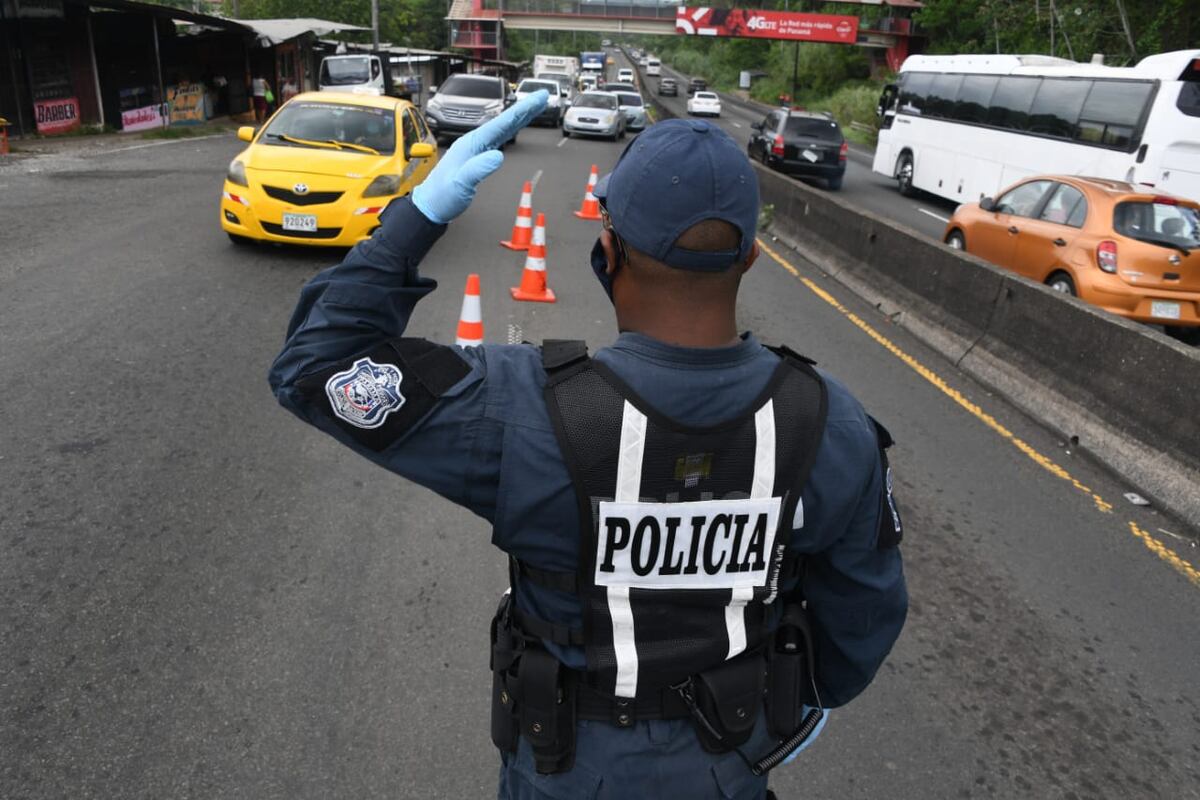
(701, 532)
(263, 97)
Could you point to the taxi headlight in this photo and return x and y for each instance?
(237, 173)
(383, 185)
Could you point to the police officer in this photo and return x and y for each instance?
(701, 532)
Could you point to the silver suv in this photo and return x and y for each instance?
(464, 102)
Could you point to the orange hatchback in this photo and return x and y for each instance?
(1111, 243)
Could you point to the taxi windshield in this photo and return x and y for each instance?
(333, 126)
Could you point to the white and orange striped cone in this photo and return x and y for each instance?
(523, 227)
(470, 321)
(590, 209)
(533, 280)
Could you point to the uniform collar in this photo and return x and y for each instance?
(649, 349)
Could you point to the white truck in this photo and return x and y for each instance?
(568, 65)
(357, 74)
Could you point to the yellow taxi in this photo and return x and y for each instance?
(323, 167)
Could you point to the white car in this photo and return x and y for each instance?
(625, 75)
(555, 104)
(595, 114)
(704, 103)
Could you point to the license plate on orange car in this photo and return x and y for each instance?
(1164, 309)
(300, 222)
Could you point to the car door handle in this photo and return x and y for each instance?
(1013, 229)
(1060, 242)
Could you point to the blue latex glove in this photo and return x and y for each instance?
(812, 736)
(451, 185)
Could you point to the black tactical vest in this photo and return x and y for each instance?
(684, 528)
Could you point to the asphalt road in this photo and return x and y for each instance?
(200, 597)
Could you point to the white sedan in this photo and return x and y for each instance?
(595, 114)
(704, 103)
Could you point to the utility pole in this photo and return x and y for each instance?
(1128, 32)
(237, 11)
(375, 24)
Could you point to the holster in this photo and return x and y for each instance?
(532, 696)
(730, 698)
(547, 710)
(505, 647)
(790, 672)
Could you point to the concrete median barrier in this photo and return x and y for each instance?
(1123, 392)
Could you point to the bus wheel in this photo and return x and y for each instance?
(904, 175)
(956, 241)
(1061, 282)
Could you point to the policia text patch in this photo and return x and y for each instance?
(707, 544)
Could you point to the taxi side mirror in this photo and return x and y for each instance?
(246, 133)
(987, 204)
(420, 150)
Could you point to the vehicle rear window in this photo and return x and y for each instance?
(1157, 222)
(807, 126)
(333, 122)
(596, 101)
(630, 99)
(537, 86)
(481, 88)
(1189, 99)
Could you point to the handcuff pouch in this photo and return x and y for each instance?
(730, 698)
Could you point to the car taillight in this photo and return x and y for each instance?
(1106, 256)
(842, 152)
(1163, 200)
(777, 147)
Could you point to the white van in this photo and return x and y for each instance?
(357, 74)
(653, 67)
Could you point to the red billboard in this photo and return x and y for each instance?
(745, 22)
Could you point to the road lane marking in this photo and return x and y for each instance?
(1154, 545)
(929, 213)
(1166, 554)
(167, 141)
(737, 124)
(564, 141)
(537, 176)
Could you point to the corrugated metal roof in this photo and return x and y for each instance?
(280, 30)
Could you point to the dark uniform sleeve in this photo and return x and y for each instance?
(854, 583)
(409, 405)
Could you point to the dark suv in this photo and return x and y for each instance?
(801, 143)
(697, 85)
(668, 86)
(464, 102)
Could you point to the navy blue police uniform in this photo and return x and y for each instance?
(772, 503)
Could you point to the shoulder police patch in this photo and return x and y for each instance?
(365, 394)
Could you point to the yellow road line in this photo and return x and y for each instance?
(1166, 554)
(1046, 463)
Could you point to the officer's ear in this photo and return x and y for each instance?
(751, 257)
(612, 256)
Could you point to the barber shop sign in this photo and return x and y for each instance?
(56, 116)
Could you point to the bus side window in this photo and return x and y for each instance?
(1011, 102)
(1111, 114)
(914, 90)
(942, 96)
(1055, 110)
(1189, 99)
(974, 97)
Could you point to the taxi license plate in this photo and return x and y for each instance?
(811, 156)
(1164, 309)
(300, 222)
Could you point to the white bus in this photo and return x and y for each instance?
(963, 127)
(653, 67)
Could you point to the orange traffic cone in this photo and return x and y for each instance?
(590, 209)
(470, 321)
(522, 228)
(533, 280)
